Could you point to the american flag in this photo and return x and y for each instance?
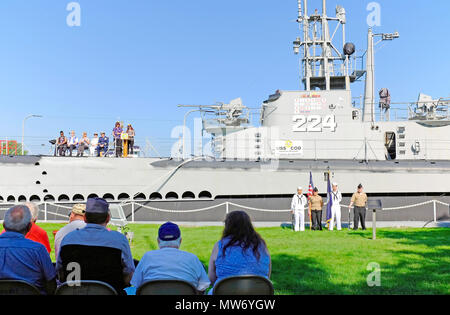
(311, 186)
(330, 201)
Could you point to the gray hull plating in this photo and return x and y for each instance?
(75, 179)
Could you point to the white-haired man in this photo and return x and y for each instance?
(170, 263)
(76, 221)
(298, 209)
(73, 142)
(336, 197)
(37, 233)
(21, 258)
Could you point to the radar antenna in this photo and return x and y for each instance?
(324, 66)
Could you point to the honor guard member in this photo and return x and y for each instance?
(336, 197)
(315, 209)
(103, 143)
(359, 199)
(298, 210)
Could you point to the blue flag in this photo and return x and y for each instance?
(330, 201)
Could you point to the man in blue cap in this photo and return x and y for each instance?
(96, 236)
(170, 263)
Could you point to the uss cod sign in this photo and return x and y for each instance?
(287, 147)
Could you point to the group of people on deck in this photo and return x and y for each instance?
(97, 146)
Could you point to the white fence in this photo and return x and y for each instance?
(226, 205)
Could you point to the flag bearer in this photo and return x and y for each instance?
(298, 210)
(336, 197)
(315, 209)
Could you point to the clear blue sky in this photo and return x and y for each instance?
(136, 60)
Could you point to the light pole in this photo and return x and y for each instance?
(23, 129)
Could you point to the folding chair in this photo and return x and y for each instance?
(17, 287)
(85, 287)
(97, 263)
(244, 285)
(166, 287)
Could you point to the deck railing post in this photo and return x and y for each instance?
(45, 212)
(434, 211)
(132, 211)
(374, 224)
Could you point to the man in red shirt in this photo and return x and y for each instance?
(37, 233)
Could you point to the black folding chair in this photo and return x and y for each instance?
(244, 285)
(96, 263)
(85, 287)
(166, 287)
(17, 287)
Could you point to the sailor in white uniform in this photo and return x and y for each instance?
(336, 197)
(298, 210)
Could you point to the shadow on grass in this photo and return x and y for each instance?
(427, 236)
(418, 263)
(424, 264)
(298, 276)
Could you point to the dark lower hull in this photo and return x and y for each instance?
(411, 209)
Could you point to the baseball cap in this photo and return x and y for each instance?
(79, 209)
(97, 205)
(169, 232)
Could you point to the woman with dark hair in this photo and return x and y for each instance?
(241, 251)
(131, 133)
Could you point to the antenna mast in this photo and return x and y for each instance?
(324, 66)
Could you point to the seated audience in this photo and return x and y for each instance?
(76, 221)
(102, 255)
(37, 233)
(93, 145)
(83, 144)
(241, 251)
(169, 262)
(61, 144)
(21, 258)
(73, 142)
(103, 144)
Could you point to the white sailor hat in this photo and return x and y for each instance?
(334, 184)
(299, 188)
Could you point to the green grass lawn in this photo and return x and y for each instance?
(412, 261)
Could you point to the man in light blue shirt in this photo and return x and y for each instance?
(97, 216)
(76, 221)
(170, 263)
(21, 258)
(73, 142)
